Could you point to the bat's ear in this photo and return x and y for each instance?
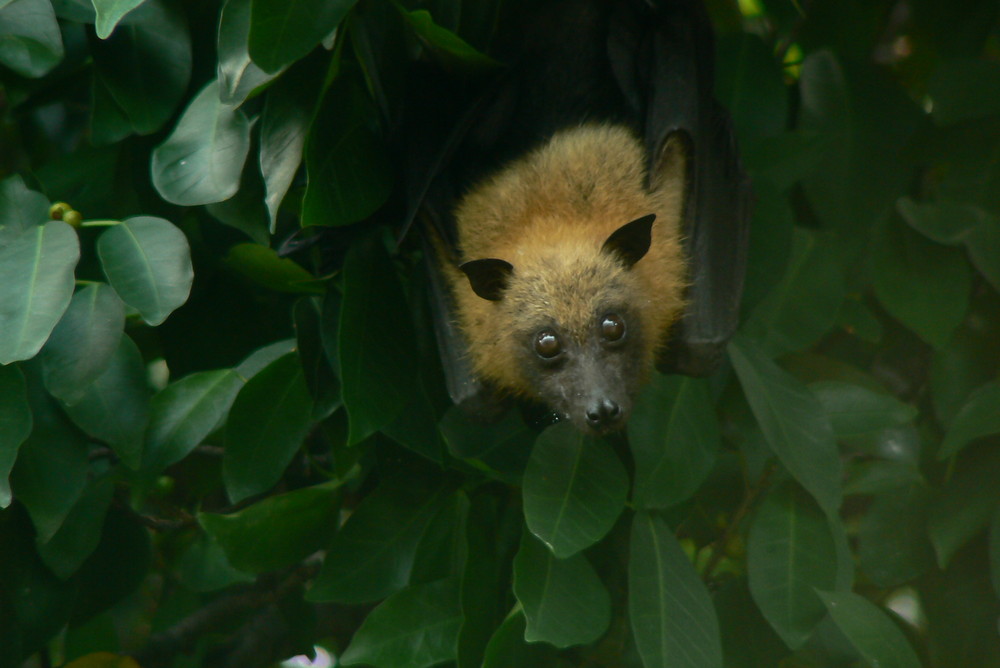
(670, 167)
(630, 242)
(488, 277)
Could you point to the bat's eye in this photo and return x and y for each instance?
(547, 344)
(612, 328)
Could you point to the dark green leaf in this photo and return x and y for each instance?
(323, 384)
(790, 554)
(278, 531)
(238, 75)
(259, 359)
(574, 489)
(468, 438)
(770, 245)
(413, 628)
(20, 209)
(924, 285)
(748, 641)
(792, 420)
(674, 437)
(80, 534)
(203, 566)
(281, 32)
(963, 89)
(980, 416)
(995, 551)
(184, 413)
(853, 409)
(36, 285)
(966, 504)
(31, 44)
(453, 51)
(82, 344)
(148, 262)
(892, 538)
(749, 82)
(349, 175)
(376, 349)
(442, 552)
(15, 424)
(261, 265)
(804, 305)
(944, 222)
(673, 621)
(508, 648)
(564, 601)
(372, 555)
(268, 421)
(202, 160)
(141, 72)
(115, 407)
(878, 639)
(877, 476)
(110, 12)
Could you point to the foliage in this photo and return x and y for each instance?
(224, 436)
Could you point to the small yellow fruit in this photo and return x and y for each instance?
(58, 210)
(72, 217)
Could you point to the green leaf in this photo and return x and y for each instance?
(792, 420)
(32, 44)
(372, 555)
(924, 285)
(963, 89)
(994, 547)
(259, 359)
(749, 83)
(790, 554)
(245, 211)
(893, 548)
(80, 534)
(803, 307)
(674, 437)
(877, 476)
(508, 648)
(110, 12)
(15, 424)
(770, 244)
(115, 407)
(978, 417)
(203, 566)
(278, 531)
(36, 285)
(141, 72)
(878, 639)
(82, 344)
(748, 641)
(267, 424)
(282, 31)
(376, 350)
(348, 170)
(966, 504)
(414, 628)
(565, 602)
(574, 489)
(202, 160)
(673, 621)
(184, 413)
(238, 75)
(20, 209)
(323, 384)
(148, 262)
(262, 265)
(853, 409)
(447, 47)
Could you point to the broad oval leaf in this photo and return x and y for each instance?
(980, 416)
(674, 435)
(574, 489)
(263, 266)
(507, 646)
(36, 285)
(202, 160)
(268, 421)
(184, 413)
(278, 531)
(564, 601)
(790, 554)
(203, 566)
(965, 505)
(854, 410)
(32, 43)
(21, 209)
(238, 75)
(148, 262)
(82, 344)
(15, 424)
(893, 547)
(372, 555)
(875, 636)
(673, 621)
(115, 407)
(448, 48)
(110, 12)
(282, 31)
(155, 43)
(792, 421)
(80, 534)
(414, 628)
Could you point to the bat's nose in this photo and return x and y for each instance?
(604, 413)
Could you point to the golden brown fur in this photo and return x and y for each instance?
(548, 214)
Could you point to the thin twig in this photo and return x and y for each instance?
(720, 544)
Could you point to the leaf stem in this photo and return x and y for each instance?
(722, 542)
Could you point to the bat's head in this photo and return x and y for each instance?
(569, 325)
